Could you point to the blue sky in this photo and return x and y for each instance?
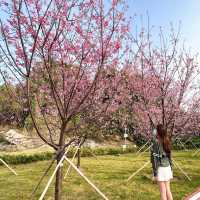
(163, 12)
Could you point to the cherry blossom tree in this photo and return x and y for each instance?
(60, 48)
(165, 79)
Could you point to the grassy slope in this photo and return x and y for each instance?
(108, 172)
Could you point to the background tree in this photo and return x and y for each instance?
(165, 79)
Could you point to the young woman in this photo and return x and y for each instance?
(161, 162)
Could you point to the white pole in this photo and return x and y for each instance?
(86, 179)
(12, 170)
(196, 152)
(99, 161)
(183, 145)
(125, 136)
(144, 151)
(177, 165)
(52, 176)
(194, 145)
(135, 173)
(142, 147)
(189, 140)
(94, 155)
(72, 161)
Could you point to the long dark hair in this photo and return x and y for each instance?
(162, 133)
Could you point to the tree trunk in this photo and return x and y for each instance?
(79, 158)
(59, 173)
(59, 178)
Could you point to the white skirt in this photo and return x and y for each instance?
(164, 173)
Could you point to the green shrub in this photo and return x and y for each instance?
(85, 152)
(23, 158)
(28, 124)
(3, 140)
(186, 144)
(140, 140)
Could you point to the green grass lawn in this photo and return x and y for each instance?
(108, 173)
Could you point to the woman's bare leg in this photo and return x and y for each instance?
(168, 190)
(163, 192)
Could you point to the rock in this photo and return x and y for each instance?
(16, 141)
(90, 143)
(12, 140)
(13, 137)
